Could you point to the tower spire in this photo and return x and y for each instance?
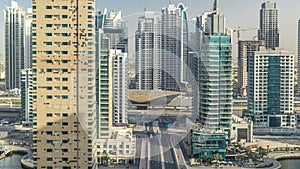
(216, 6)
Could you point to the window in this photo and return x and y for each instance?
(49, 52)
(64, 34)
(49, 97)
(48, 43)
(64, 52)
(48, 34)
(48, 25)
(90, 16)
(64, 7)
(48, 7)
(33, 25)
(90, 25)
(33, 16)
(33, 34)
(64, 16)
(64, 88)
(48, 79)
(33, 7)
(48, 16)
(49, 159)
(64, 79)
(64, 123)
(65, 97)
(65, 43)
(64, 25)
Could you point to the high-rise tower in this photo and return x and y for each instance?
(268, 25)
(148, 52)
(63, 66)
(174, 42)
(271, 88)
(215, 72)
(28, 39)
(14, 19)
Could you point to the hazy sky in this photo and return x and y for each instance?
(243, 13)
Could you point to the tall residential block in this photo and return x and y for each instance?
(120, 86)
(28, 39)
(63, 77)
(115, 28)
(215, 73)
(268, 25)
(26, 95)
(103, 85)
(148, 52)
(298, 91)
(244, 48)
(271, 88)
(14, 22)
(174, 46)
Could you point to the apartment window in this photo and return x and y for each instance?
(49, 150)
(64, 79)
(33, 7)
(48, 7)
(64, 88)
(34, 25)
(49, 97)
(49, 52)
(48, 16)
(65, 43)
(64, 52)
(90, 25)
(64, 123)
(33, 16)
(49, 159)
(65, 115)
(49, 88)
(64, 25)
(64, 97)
(48, 79)
(49, 123)
(64, 34)
(90, 16)
(64, 7)
(64, 16)
(48, 43)
(33, 34)
(48, 34)
(64, 150)
(49, 25)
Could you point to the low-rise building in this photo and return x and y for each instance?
(207, 143)
(241, 129)
(119, 149)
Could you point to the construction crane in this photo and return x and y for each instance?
(239, 30)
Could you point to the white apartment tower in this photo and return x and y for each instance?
(148, 52)
(271, 88)
(28, 39)
(120, 86)
(174, 42)
(14, 21)
(26, 95)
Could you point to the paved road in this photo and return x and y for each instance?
(155, 156)
(169, 156)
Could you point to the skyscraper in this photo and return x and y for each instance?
(215, 73)
(63, 65)
(174, 44)
(148, 52)
(268, 25)
(103, 86)
(26, 94)
(244, 48)
(28, 39)
(100, 19)
(116, 30)
(271, 88)
(298, 91)
(14, 19)
(119, 85)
